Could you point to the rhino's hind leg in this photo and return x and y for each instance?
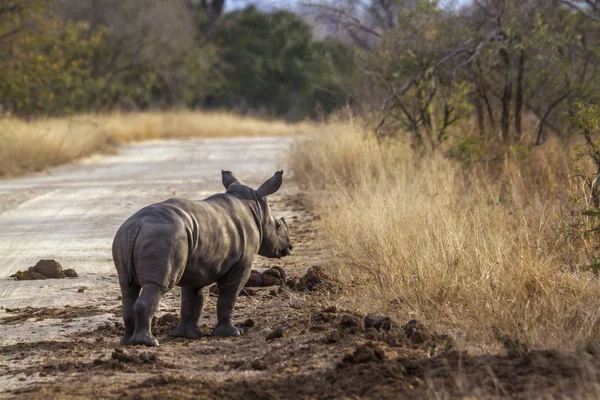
(229, 288)
(129, 295)
(144, 310)
(192, 300)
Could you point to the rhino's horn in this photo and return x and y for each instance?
(228, 178)
(271, 185)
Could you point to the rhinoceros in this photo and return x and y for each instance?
(193, 244)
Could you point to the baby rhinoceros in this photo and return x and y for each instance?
(193, 244)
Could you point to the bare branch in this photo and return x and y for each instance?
(345, 19)
(593, 16)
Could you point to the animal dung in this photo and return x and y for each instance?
(276, 333)
(45, 269)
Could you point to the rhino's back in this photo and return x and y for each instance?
(221, 226)
(212, 235)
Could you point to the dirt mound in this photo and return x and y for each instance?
(24, 349)
(270, 277)
(359, 367)
(378, 322)
(315, 279)
(368, 373)
(165, 324)
(115, 329)
(364, 353)
(124, 356)
(120, 360)
(45, 269)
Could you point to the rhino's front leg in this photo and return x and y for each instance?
(144, 309)
(229, 287)
(192, 300)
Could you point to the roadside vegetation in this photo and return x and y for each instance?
(497, 248)
(35, 145)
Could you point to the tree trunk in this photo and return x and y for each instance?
(480, 115)
(506, 97)
(540, 135)
(481, 89)
(519, 96)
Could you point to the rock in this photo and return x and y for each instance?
(81, 289)
(378, 322)
(50, 269)
(276, 333)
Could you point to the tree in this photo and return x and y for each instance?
(45, 62)
(150, 58)
(270, 61)
(431, 66)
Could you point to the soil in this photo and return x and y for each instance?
(298, 342)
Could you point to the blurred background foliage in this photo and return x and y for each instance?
(413, 68)
(72, 56)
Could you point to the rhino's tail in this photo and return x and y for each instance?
(132, 235)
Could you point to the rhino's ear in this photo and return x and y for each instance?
(227, 178)
(271, 185)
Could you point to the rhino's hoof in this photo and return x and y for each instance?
(125, 340)
(188, 332)
(143, 339)
(226, 331)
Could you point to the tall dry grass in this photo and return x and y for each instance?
(463, 250)
(34, 145)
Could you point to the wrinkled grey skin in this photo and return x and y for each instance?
(193, 244)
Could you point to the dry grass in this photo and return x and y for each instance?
(462, 250)
(35, 145)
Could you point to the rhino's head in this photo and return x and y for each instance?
(275, 234)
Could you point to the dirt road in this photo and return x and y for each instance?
(71, 214)
(60, 338)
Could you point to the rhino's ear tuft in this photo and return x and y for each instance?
(228, 178)
(271, 185)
